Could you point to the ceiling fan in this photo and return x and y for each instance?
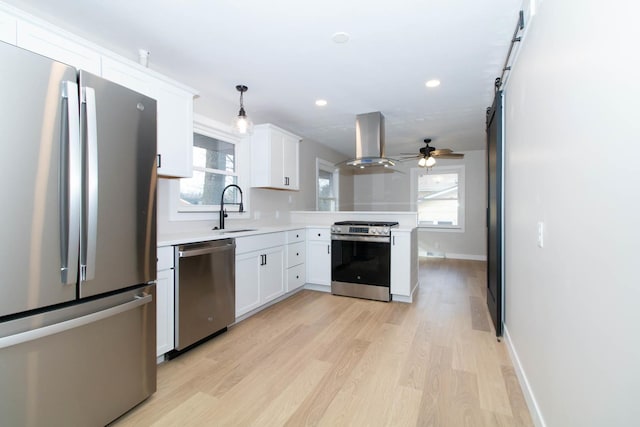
(427, 155)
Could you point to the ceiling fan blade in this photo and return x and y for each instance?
(441, 151)
(449, 156)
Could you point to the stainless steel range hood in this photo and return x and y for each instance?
(370, 142)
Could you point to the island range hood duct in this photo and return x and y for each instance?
(370, 142)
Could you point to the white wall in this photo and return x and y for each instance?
(375, 191)
(572, 150)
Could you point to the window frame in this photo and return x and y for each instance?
(323, 165)
(212, 129)
(438, 170)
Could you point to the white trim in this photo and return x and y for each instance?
(218, 130)
(22, 15)
(413, 203)
(466, 256)
(319, 288)
(534, 409)
(401, 298)
(328, 167)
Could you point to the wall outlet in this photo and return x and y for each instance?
(540, 234)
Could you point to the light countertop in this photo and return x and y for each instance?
(179, 238)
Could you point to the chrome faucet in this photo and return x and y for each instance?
(223, 213)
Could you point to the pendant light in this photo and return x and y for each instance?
(242, 124)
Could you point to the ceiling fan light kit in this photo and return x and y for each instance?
(241, 123)
(427, 155)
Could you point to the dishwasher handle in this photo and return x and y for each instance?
(199, 249)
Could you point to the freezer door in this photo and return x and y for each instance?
(83, 365)
(39, 141)
(118, 243)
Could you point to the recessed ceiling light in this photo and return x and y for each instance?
(321, 102)
(340, 37)
(433, 83)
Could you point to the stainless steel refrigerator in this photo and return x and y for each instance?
(77, 229)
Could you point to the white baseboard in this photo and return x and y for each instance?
(401, 298)
(436, 254)
(534, 409)
(466, 256)
(314, 287)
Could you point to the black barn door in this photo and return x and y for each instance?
(494, 213)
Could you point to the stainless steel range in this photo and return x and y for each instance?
(361, 259)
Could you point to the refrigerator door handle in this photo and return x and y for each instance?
(88, 263)
(70, 184)
(67, 325)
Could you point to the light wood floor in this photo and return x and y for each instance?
(318, 359)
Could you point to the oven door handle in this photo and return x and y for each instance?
(352, 238)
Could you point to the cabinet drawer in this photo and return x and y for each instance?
(259, 242)
(295, 236)
(165, 258)
(295, 277)
(318, 233)
(295, 254)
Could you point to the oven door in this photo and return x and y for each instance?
(361, 266)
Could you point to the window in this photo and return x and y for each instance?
(217, 160)
(327, 186)
(214, 167)
(440, 197)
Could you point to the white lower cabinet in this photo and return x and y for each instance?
(404, 263)
(164, 301)
(260, 262)
(247, 282)
(296, 257)
(271, 274)
(319, 256)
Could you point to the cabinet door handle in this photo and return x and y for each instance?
(159, 160)
(265, 259)
(297, 253)
(394, 240)
(328, 249)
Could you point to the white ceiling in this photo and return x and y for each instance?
(283, 51)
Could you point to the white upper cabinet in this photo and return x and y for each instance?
(174, 100)
(175, 114)
(59, 47)
(274, 158)
(8, 28)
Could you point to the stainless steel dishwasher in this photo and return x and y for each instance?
(205, 297)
